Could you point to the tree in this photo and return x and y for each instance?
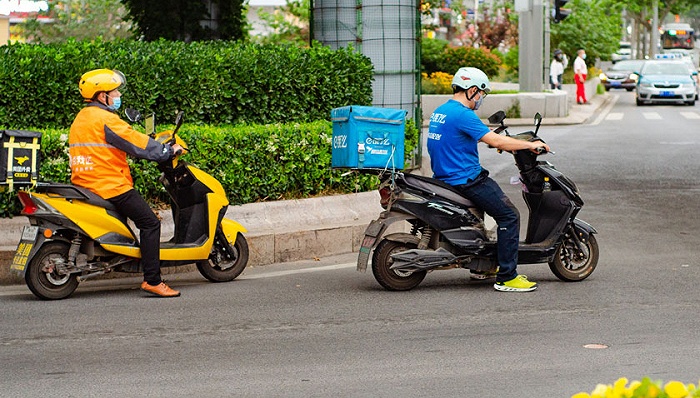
(497, 28)
(640, 12)
(289, 24)
(188, 20)
(78, 19)
(594, 25)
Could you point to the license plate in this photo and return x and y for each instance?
(368, 242)
(666, 93)
(615, 83)
(26, 243)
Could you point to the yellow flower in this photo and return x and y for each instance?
(601, 391)
(634, 385)
(653, 391)
(581, 395)
(676, 389)
(619, 388)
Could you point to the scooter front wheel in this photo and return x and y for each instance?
(570, 264)
(226, 261)
(42, 276)
(394, 279)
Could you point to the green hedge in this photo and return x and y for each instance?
(216, 82)
(253, 163)
(438, 56)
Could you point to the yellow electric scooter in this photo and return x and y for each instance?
(74, 234)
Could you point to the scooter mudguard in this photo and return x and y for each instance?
(231, 229)
(584, 228)
(374, 230)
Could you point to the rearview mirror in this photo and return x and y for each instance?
(133, 115)
(178, 122)
(179, 119)
(497, 117)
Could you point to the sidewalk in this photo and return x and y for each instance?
(578, 114)
(292, 229)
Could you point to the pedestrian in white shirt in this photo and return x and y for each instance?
(556, 70)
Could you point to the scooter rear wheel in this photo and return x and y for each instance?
(42, 276)
(393, 279)
(226, 261)
(570, 265)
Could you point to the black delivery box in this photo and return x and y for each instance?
(20, 157)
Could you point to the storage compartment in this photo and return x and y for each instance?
(367, 137)
(20, 157)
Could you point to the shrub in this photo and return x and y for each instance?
(216, 82)
(511, 59)
(253, 163)
(432, 51)
(438, 56)
(436, 83)
(457, 57)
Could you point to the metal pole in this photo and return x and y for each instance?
(530, 57)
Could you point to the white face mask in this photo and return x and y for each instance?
(477, 103)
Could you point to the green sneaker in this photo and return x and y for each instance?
(517, 284)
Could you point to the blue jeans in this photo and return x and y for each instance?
(488, 196)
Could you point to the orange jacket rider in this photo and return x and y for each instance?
(99, 141)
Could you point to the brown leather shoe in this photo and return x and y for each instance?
(161, 290)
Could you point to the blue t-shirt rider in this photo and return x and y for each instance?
(453, 135)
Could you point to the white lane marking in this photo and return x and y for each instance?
(651, 115)
(299, 271)
(606, 110)
(691, 115)
(615, 116)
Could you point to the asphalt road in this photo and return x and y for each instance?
(319, 328)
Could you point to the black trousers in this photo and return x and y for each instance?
(131, 205)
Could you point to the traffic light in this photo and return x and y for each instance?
(559, 11)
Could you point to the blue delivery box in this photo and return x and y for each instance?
(366, 137)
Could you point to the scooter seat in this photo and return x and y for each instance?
(438, 188)
(73, 192)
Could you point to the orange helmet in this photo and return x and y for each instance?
(99, 80)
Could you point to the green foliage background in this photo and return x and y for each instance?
(253, 162)
(213, 82)
(438, 56)
(182, 19)
(592, 25)
(257, 116)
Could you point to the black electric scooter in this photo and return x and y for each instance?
(447, 230)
